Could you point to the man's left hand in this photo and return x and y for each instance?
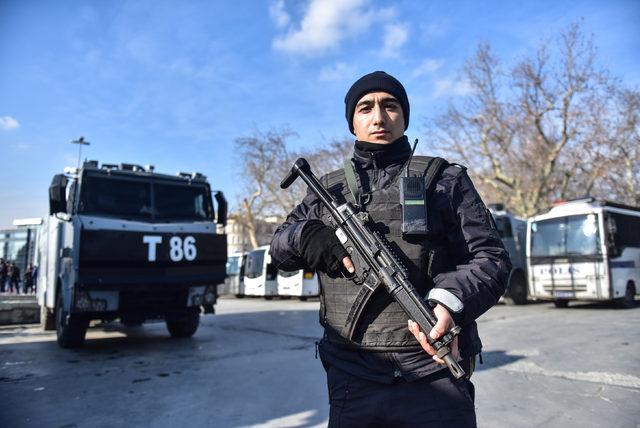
(444, 324)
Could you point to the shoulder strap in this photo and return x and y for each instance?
(351, 180)
(430, 168)
(435, 166)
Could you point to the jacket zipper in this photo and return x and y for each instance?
(375, 172)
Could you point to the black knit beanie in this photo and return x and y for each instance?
(372, 82)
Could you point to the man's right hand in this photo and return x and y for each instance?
(322, 250)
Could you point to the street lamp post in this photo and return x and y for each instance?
(80, 142)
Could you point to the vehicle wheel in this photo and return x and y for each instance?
(268, 297)
(47, 319)
(561, 303)
(183, 324)
(70, 330)
(303, 298)
(517, 291)
(208, 309)
(628, 301)
(239, 296)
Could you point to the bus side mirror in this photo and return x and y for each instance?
(221, 215)
(57, 194)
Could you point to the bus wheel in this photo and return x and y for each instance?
(183, 324)
(70, 330)
(628, 301)
(517, 291)
(561, 303)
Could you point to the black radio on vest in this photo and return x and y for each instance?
(413, 201)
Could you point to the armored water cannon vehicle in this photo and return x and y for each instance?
(123, 241)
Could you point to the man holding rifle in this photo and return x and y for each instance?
(381, 369)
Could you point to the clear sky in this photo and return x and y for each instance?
(173, 83)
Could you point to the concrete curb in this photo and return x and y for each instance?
(18, 309)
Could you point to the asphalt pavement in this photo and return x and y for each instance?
(253, 365)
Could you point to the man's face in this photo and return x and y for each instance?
(378, 118)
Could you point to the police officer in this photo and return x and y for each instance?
(386, 374)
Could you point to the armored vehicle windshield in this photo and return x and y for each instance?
(145, 198)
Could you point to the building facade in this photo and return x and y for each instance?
(238, 235)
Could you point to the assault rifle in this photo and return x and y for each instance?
(384, 267)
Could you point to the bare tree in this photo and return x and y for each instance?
(331, 157)
(623, 181)
(542, 130)
(265, 160)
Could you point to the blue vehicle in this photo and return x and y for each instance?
(513, 231)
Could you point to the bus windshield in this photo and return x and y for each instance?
(575, 235)
(233, 265)
(255, 264)
(288, 273)
(144, 199)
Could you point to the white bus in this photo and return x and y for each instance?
(234, 282)
(585, 250)
(299, 283)
(260, 275)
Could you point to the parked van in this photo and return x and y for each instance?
(585, 250)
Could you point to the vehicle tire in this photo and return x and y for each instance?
(561, 303)
(628, 301)
(208, 309)
(268, 297)
(70, 330)
(239, 296)
(47, 319)
(183, 324)
(517, 290)
(303, 298)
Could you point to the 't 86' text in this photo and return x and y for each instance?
(180, 249)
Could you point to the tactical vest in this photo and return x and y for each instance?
(383, 324)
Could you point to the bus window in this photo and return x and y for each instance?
(271, 272)
(255, 264)
(571, 235)
(288, 273)
(626, 232)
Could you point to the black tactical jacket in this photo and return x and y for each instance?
(457, 216)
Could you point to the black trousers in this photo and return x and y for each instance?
(434, 401)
